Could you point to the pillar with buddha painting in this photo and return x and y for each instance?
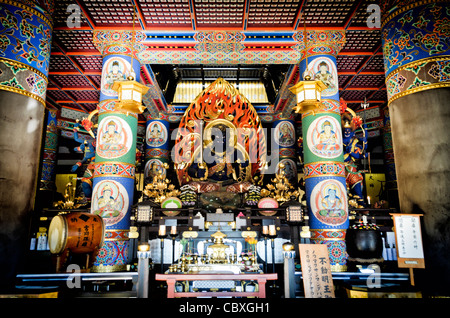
(324, 168)
(115, 157)
(156, 145)
(285, 140)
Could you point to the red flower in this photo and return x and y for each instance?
(343, 105)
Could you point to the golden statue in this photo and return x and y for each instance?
(218, 253)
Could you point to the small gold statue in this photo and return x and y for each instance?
(218, 254)
(69, 196)
(283, 190)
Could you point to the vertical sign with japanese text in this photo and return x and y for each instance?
(408, 239)
(316, 271)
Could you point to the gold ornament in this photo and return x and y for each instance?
(280, 189)
(160, 188)
(69, 196)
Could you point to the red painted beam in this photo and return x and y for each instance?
(75, 88)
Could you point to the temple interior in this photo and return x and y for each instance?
(224, 149)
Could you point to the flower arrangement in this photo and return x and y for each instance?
(251, 240)
(188, 196)
(252, 253)
(70, 198)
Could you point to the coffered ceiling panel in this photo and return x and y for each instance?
(75, 64)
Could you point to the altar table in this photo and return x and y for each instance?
(171, 279)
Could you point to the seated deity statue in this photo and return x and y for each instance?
(219, 170)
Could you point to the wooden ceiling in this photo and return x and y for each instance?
(75, 64)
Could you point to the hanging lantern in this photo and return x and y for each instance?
(130, 95)
(130, 92)
(308, 95)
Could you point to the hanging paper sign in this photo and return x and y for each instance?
(408, 239)
(316, 271)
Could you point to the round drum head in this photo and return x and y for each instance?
(57, 233)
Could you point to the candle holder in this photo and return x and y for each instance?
(272, 238)
(272, 235)
(173, 236)
(162, 237)
(265, 250)
(198, 194)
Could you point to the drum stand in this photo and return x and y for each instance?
(59, 260)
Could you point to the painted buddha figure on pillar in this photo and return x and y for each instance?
(220, 146)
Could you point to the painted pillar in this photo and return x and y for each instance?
(389, 162)
(156, 145)
(115, 153)
(284, 138)
(47, 181)
(25, 43)
(325, 187)
(417, 64)
(47, 186)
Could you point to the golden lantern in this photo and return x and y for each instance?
(130, 95)
(308, 95)
(308, 91)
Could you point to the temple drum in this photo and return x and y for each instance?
(77, 232)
